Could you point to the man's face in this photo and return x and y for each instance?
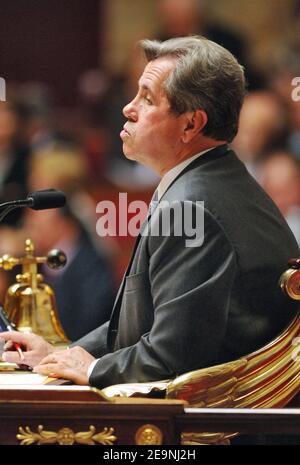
(152, 132)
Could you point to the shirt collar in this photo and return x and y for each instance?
(172, 174)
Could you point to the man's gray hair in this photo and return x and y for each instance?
(206, 77)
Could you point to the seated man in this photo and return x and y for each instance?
(185, 305)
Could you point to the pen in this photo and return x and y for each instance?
(8, 326)
(16, 345)
(19, 350)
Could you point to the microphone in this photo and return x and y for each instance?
(48, 198)
(39, 200)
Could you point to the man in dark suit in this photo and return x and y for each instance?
(185, 305)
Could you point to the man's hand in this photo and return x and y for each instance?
(34, 348)
(69, 364)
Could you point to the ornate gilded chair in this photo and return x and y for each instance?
(268, 377)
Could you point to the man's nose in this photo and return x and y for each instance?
(130, 111)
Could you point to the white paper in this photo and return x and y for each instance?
(16, 378)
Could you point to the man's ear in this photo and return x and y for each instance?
(194, 122)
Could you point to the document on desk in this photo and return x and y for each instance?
(17, 378)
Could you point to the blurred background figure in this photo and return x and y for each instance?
(13, 161)
(94, 132)
(84, 288)
(35, 109)
(280, 177)
(285, 66)
(185, 17)
(262, 128)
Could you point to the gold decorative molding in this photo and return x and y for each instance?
(65, 436)
(203, 439)
(266, 378)
(148, 435)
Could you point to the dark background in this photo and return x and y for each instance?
(50, 41)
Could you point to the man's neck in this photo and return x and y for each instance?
(186, 154)
(174, 172)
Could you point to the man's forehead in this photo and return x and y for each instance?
(156, 71)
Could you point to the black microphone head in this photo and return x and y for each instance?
(47, 198)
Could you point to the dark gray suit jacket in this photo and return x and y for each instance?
(183, 308)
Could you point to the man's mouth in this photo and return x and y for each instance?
(124, 132)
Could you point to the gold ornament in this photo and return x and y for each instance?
(66, 436)
(148, 435)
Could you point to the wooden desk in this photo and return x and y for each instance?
(75, 414)
(79, 415)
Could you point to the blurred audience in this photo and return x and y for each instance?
(280, 177)
(13, 161)
(184, 17)
(84, 288)
(94, 134)
(285, 66)
(262, 128)
(35, 108)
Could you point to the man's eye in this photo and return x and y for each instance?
(148, 100)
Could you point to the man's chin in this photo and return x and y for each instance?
(128, 154)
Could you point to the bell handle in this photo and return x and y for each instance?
(8, 263)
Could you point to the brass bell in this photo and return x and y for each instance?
(30, 303)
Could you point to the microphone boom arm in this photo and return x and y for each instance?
(39, 200)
